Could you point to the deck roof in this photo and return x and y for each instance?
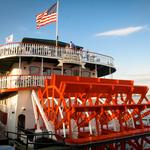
(47, 42)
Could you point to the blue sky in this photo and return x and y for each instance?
(119, 28)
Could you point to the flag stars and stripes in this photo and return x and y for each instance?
(46, 17)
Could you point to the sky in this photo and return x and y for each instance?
(118, 28)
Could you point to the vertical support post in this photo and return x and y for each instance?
(19, 65)
(35, 146)
(120, 120)
(140, 119)
(70, 127)
(62, 69)
(97, 126)
(110, 72)
(123, 145)
(80, 71)
(142, 143)
(27, 143)
(96, 70)
(41, 66)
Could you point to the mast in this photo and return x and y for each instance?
(57, 11)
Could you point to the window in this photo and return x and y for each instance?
(85, 74)
(46, 71)
(67, 72)
(34, 70)
(56, 71)
(75, 72)
(21, 121)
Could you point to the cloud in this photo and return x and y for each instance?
(139, 76)
(122, 32)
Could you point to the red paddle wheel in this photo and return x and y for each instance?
(96, 110)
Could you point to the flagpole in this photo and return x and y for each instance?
(57, 37)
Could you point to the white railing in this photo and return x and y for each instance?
(22, 81)
(40, 50)
(97, 58)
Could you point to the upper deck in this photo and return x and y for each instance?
(46, 49)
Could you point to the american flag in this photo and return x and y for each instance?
(46, 17)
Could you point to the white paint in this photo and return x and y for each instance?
(11, 110)
(24, 101)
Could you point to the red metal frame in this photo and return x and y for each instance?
(95, 109)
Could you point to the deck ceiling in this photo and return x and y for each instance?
(102, 70)
(6, 64)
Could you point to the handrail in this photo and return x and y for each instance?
(48, 51)
(22, 81)
(26, 137)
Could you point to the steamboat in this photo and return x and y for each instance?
(62, 91)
